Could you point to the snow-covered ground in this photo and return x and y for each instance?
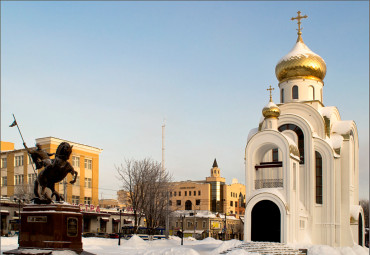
(208, 246)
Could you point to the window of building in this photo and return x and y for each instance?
(170, 202)
(186, 193)
(300, 135)
(18, 179)
(179, 193)
(275, 155)
(231, 212)
(236, 204)
(282, 95)
(18, 160)
(198, 192)
(3, 162)
(295, 92)
(311, 92)
(75, 161)
(231, 203)
(75, 200)
(189, 223)
(4, 181)
(174, 193)
(88, 164)
(31, 178)
(318, 163)
(77, 183)
(177, 224)
(197, 202)
(196, 224)
(203, 224)
(171, 194)
(88, 182)
(87, 200)
(178, 202)
(195, 193)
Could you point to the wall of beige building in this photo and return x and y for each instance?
(197, 195)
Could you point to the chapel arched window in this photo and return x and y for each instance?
(300, 136)
(318, 165)
(295, 92)
(282, 95)
(311, 92)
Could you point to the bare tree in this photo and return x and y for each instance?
(24, 192)
(157, 184)
(147, 185)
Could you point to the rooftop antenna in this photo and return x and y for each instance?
(163, 130)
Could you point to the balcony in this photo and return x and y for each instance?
(268, 183)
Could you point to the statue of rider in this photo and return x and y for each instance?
(40, 157)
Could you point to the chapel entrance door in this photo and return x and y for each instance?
(266, 224)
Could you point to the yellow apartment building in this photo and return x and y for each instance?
(18, 175)
(211, 194)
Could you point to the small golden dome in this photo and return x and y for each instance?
(300, 62)
(271, 110)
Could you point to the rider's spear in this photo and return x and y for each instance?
(16, 124)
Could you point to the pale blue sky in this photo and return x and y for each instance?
(106, 74)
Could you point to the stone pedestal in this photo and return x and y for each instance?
(51, 227)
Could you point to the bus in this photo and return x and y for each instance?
(143, 233)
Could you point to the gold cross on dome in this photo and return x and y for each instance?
(270, 89)
(299, 17)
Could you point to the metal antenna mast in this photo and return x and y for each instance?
(163, 130)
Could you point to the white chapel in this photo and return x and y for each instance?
(302, 166)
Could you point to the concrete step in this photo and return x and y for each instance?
(267, 248)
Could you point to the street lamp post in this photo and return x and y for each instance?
(182, 228)
(19, 215)
(225, 228)
(119, 231)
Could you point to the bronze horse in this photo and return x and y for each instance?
(53, 173)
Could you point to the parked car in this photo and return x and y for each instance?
(102, 235)
(89, 234)
(113, 235)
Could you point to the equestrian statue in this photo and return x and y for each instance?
(55, 170)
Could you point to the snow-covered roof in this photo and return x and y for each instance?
(299, 50)
(252, 132)
(201, 214)
(343, 127)
(335, 141)
(270, 104)
(293, 148)
(327, 111)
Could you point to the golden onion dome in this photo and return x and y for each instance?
(271, 110)
(300, 62)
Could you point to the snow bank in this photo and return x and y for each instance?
(136, 241)
(327, 250)
(322, 250)
(209, 240)
(172, 251)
